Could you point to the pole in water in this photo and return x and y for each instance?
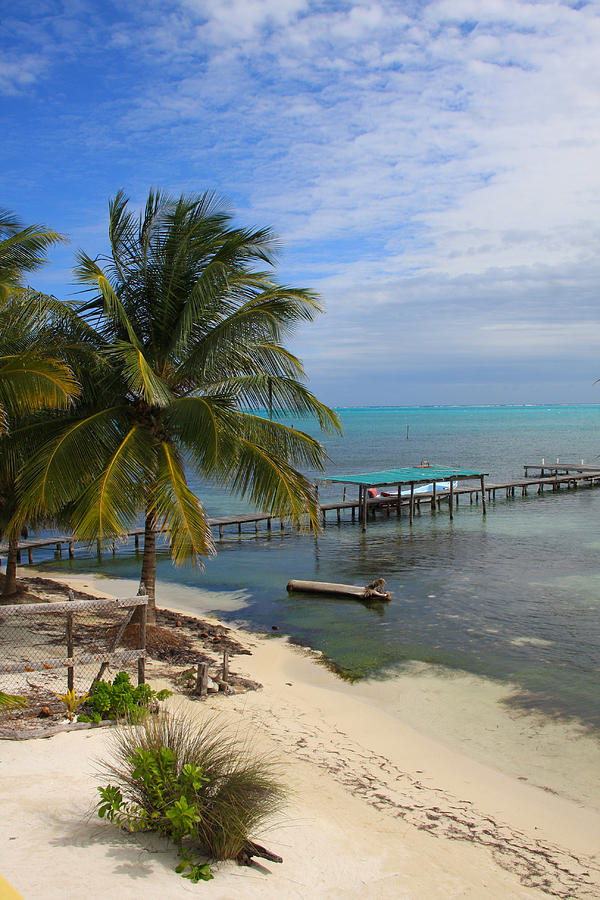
(407, 427)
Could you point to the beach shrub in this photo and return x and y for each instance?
(194, 784)
(120, 700)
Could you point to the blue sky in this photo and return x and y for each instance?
(432, 169)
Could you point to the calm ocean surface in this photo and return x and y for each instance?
(514, 597)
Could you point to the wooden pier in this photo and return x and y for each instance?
(567, 476)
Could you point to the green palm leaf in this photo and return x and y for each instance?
(139, 375)
(62, 469)
(110, 505)
(177, 509)
(29, 382)
(22, 249)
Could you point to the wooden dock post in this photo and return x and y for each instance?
(483, 510)
(411, 513)
(433, 492)
(71, 550)
(30, 555)
(136, 539)
(451, 499)
(364, 505)
(99, 548)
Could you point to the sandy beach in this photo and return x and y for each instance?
(379, 808)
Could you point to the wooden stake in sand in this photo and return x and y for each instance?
(202, 679)
(225, 666)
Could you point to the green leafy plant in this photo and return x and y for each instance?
(172, 808)
(72, 702)
(194, 784)
(120, 700)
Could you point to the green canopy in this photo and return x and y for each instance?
(407, 475)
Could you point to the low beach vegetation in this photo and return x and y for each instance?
(72, 702)
(194, 784)
(119, 699)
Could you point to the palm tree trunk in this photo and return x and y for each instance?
(10, 579)
(148, 576)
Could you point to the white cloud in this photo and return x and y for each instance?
(17, 73)
(440, 154)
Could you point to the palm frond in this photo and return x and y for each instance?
(29, 382)
(285, 396)
(139, 375)
(88, 272)
(177, 509)
(272, 483)
(231, 334)
(22, 249)
(71, 458)
(110, 505)
(249, 455)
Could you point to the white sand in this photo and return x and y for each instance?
(380, 808)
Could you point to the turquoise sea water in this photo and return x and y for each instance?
(514, 596)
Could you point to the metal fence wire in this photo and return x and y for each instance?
(47, 649)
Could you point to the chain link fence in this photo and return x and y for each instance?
(47, 649)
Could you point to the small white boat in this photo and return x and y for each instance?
(405, 492)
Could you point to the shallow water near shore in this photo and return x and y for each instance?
(511, 601)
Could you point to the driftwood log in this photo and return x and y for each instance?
(251, 849)
(373, 591)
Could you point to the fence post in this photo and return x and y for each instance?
(142, 642)
(70, 649)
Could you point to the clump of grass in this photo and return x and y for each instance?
(235, 793)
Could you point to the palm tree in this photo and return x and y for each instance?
(29, 378)
(22, 249)
(190, 330)
(32, 377)
(35, 380)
